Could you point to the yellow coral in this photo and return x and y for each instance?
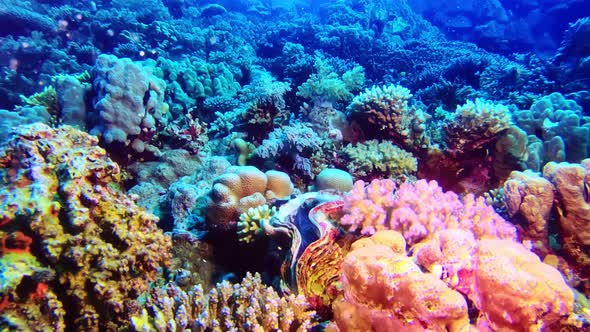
(253, 221)
(102, 248)
(379, 158)
(46, 98)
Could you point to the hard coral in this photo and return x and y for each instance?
(241, 188)
(418, 211)
(247, 306)
(515, 291)
(572, 186)
(529, 199)
(385, 111)
(384, 290)
(475, 124)
(129, 104)
(375, 158)
(59, 187)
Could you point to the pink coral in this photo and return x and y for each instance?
(418, 210)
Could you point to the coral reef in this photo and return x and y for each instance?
(379, 159)
(247, 306)
(242, 188)
(385, 110)
(91, 250)
(242, 126)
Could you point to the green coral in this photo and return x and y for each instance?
(253, 222)
(379, 158)
(46, 98)
(326, 84)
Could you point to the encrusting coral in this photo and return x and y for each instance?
(247, 306)
(90, 250)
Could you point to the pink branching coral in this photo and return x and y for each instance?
(418, 210)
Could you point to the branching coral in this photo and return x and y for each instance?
(247, 306)
(385, 111)
(374, 158)
(253, 222)
(475, 124)
(100, 249)
(383, 206)
(326, 84)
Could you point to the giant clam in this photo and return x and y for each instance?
(311, 266)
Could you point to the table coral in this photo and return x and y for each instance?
(247, 306)
(60, 188)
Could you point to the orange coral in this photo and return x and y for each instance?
(571, 182)
(100, 249)
(384, 290)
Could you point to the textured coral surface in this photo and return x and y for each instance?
(92, 249)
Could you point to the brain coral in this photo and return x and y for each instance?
(92, 250)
